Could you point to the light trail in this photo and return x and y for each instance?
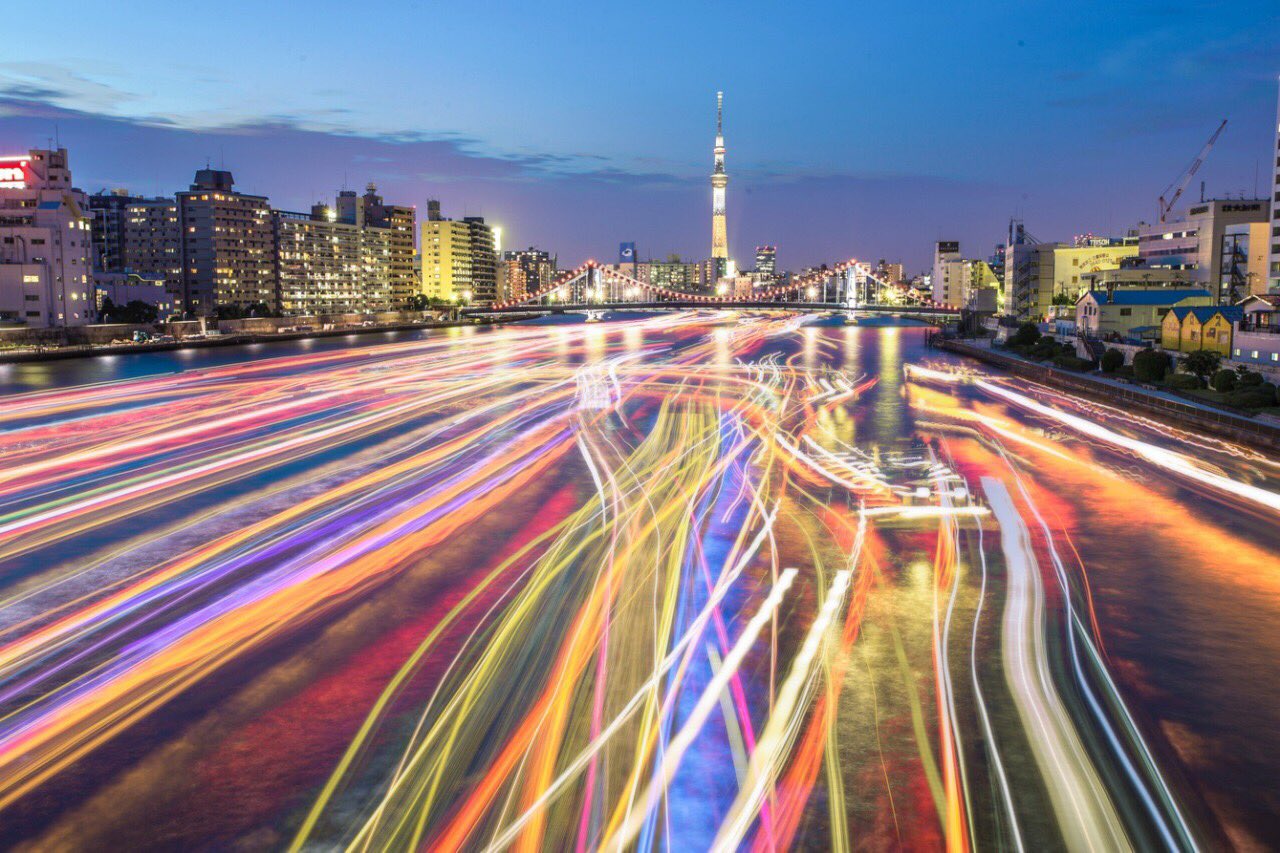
(522, 588)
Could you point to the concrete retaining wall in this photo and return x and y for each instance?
(73, 335)
(1222, 424)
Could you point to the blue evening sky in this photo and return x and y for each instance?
(863, 129)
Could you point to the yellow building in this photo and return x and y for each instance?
(1071, 263)
(1131, 313)
(1256, 264)
(1192, 328)
(446, 259)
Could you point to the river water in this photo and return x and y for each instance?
(665, 581)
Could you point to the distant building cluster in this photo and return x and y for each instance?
(1204, 277)
(209, 250)
(214, 251)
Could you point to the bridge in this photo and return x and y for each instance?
(592, 287)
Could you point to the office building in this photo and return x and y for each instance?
(628, 259)
(45, 242)
(1084, 256)
(1038, 275)
(1224, 241)
(767, 261)
(943, 252)
(228, 246)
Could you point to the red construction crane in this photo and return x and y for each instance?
(1185, 178)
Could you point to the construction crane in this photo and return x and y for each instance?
(1182, 180)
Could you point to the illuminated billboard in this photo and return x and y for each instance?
(13, 173)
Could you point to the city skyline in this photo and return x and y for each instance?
(645, 427)
(1092, 125)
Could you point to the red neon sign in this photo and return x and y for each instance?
(13, 173)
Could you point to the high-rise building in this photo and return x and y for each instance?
(458, 258)
(45, 242)
(767, 260)
(107, 228)
(326, 266)
(1223, 240)
(370, 211)
(887, 273)
(527, 271)
(627, 258)
(719, 180)
(228, 246)
(1273, 265)
(153, 243)
(955, 279)
(446, 259)
(484, 260)
(943, 251)
(673, 274)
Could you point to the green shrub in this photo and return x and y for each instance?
(1185, 382)
(1250, 398)
(1248, 379)
(1045, 348)
(1027, 334)
(1224, 380)
(1150, 365)
(1203, 363)
(1112, 360)
(1071, 362)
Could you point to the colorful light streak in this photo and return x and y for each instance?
(662, 660)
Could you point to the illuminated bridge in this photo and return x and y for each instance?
(593, 287)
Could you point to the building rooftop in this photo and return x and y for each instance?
(1144, 296)
(1204, 313)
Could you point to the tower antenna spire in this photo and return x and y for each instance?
(719, 180)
